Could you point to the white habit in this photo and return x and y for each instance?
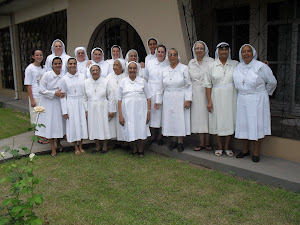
(72, 104)
(176, 89)
(199, 113)
(52, 119)
(115, 127)
(99, 100)
(223, 94)
(153, 74)
(134, 95)
(254, 82)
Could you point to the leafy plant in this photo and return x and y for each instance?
(22, 199)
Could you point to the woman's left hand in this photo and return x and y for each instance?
(66, 116)
(187, 104)
(148, 117)
(142, 65)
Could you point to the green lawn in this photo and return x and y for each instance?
(13, 123)
(116, 188)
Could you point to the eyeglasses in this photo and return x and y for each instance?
(80, 53)
(199, 49)
(172, 55)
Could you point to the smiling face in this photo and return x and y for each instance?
(95, 71)
(97, 56)
(117, 67)
(72, 66)
(37, 56)
(199, 50)
(132, 70)
(132, 56)
(223, 53)
(80, 55)
(247, 54)
(152, 44)
(161, 54)
(173, 56)
(58, 48)
(56, 65)
(115, 53)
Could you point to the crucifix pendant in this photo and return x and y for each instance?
(75, 91)
(95, 91)
(243, 82)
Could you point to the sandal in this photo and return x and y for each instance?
(209, 147)
(198, 148)
(218, 152)
(82, 151)
(229, 153)
(77, 152)
(44, 141)
(54, 155)
(141, 154)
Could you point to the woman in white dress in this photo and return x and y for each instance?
(134, 102)
(152, 44)
(82, 59)
(153, 74)
(254, 81)
(97, 58)
(52, 119)
(177, 96)
(57, 49)
(221, 97)
(198, 68)
(116, 53)
(132, 55)
(72, 106)
(115, 80)
(33, 74)
(99, 102)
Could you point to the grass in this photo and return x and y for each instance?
(116, 188)
(12, 122)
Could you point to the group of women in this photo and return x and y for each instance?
(122, 99)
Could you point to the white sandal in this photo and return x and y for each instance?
(218, 152)
(229, 153)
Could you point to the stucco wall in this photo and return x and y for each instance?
(149, 18)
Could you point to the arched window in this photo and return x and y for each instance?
(116, 31)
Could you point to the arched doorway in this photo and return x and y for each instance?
(115, 31)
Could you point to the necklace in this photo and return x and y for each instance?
(95, 88)
(171, 73)
(244, 75)
(117, 79)
(75, 86)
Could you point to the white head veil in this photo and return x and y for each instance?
(217, 50)
(176, 51)
(157, 43)
(121, 53)
(127, 55)
(126, 70)
(94, 64)
(253, 51)
(122, 63)
(85, 54)
(67, 68)
(63, 45)
(92, 58)
(205, 46)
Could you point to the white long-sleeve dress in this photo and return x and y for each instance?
(99, 101)
(52, 119)
(153, 74)
(72, 104)
(199, 113)
(134, 95)
(115, 127)
(254, 82)
(223, 94)
(176, 89)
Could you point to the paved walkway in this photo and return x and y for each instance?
(270, 170)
